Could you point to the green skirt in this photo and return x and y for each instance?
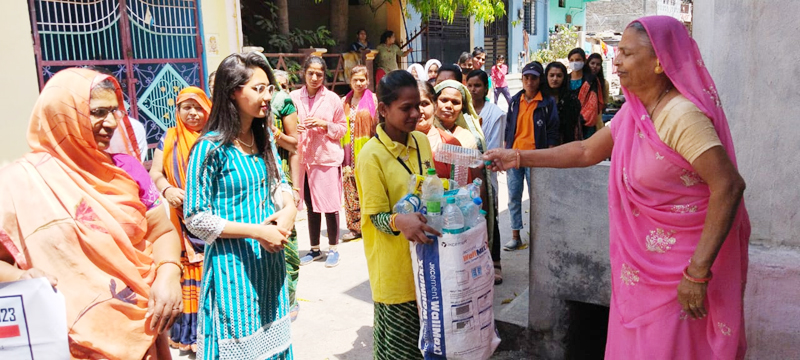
(396, 331)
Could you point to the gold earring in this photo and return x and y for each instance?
(659, 70)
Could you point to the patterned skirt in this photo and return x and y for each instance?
(396, 331)
(352, 208)
(184, 330)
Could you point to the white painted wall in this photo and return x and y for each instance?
(20, 84)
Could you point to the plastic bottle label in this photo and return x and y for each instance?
(434, 207)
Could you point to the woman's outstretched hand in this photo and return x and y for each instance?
(501, 159)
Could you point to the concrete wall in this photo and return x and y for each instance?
(616, 15)
(734, 36)
(569, 251)
(19, 78)
(222, 21)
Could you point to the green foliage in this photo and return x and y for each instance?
(560, 44)
(485, 11)
(262, 30)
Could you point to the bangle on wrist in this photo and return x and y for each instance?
(173, 262)
(695, 280)
(392, 224)
(164, 192)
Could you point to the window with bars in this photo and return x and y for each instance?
(529, 18)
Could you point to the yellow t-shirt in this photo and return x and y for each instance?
(525, 138)
(381, 182)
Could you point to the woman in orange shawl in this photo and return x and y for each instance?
(168, 171)
(92, 219)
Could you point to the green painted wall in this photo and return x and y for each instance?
(557, 15)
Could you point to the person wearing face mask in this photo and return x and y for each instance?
(589, 90)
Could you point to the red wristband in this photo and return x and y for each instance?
(694, 279)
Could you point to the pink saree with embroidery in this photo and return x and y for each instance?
(657, 209)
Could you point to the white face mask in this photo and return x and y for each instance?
(576, 65)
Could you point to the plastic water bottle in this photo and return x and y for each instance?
(475, 188)
(453, 220)
(471, 212)
(459, 155)
(407, 205)
(432, 191)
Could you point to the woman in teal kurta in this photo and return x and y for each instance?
(234, 186)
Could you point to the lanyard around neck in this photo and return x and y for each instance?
(419, 157)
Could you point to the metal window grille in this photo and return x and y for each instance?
(529, 8)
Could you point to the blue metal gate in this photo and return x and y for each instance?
(152, 46)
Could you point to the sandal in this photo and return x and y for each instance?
(351, 236)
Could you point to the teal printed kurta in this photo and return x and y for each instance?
(244, 300)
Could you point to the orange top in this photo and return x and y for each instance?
(178, 144)
(524, 138)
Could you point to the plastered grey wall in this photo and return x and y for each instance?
(617, 14)
(569, 251)
(748, 48)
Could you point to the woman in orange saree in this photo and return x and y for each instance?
(92, 219)
(168, 172)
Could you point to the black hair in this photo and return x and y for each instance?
(561, 91)
(455, 69)
(235, 71)
(577, 51)
(477, 51)
(390, 85)
(501, 57)
(386, 35)
(360, 30)
(482, 76)
(465, 56)
(600, 75)
(426, 89)
(587, 75)
(314, 60)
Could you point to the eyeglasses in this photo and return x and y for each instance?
(262, 89)
(102, 112)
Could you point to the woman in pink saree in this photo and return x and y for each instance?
(678, 227)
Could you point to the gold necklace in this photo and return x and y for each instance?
(250, 145)
(650, 113)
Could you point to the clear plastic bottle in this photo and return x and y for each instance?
(432, 191)
(459, 156)
(453, 220)
(407, 205)
(474, 189)
(471, 212)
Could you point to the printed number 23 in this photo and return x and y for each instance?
(7, 315)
